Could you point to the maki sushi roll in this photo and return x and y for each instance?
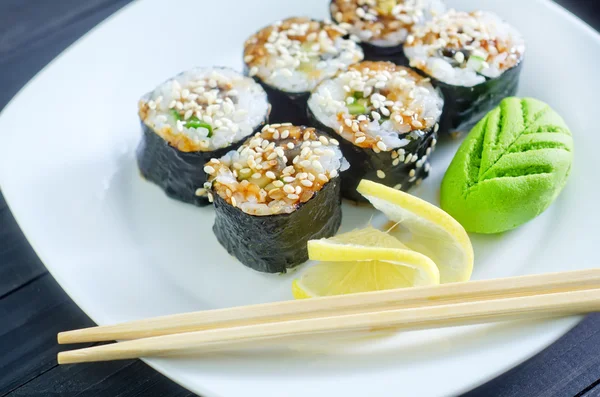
(387, 118)
(278, 190)
(382, 26)
(474, 58)
(289, 58)
(194, 116)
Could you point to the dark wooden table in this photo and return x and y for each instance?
(33, 308)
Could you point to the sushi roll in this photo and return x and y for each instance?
(289, 58)
(387, 118)
(474, 58)
(278, 190)
(382, 26)
(187, 120)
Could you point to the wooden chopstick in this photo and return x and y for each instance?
(338, 306)
(555, 304)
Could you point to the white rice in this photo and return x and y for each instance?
(233, 112)
(276, 170)
(415, 97)
(478, 29)
(296, 54)
(373, 22)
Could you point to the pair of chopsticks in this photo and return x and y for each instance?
(548, 295)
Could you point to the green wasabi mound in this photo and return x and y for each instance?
(510, 167)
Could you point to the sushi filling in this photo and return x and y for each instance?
(294, 55)
(276, 170)
(384, 23)
(464, 49)
(377, 105)
(205, 109)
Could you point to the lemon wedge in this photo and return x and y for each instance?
(426, 229)
(361, 261)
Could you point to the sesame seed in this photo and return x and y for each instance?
(360, 140)
(289, 179)
(323, 140)
(285, 134)
(398, 186)
(278, 183)
(412, 173)
(306, 182)
(333, 173)
(233, 202)
(298, 190)
(396, 162)
(334, 142)
(209, 170)
(200, 192)
(289, 189)
(306, 136)
(293, 196)
(380, 174)
(381, 146)
(270, 174)
(323, 177)
(256, 175)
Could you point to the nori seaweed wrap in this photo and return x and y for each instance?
(290, 57)
(386, 118)
(474, 58)
(191, 118)
(382, 26)
(279, 190)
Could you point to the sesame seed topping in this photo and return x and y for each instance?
(380, 174)
(209, 170)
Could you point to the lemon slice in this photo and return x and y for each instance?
(425, 228)
(361, 261)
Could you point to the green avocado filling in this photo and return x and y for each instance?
(360, 105)
(193, 122)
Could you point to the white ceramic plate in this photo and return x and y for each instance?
(122, 250)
